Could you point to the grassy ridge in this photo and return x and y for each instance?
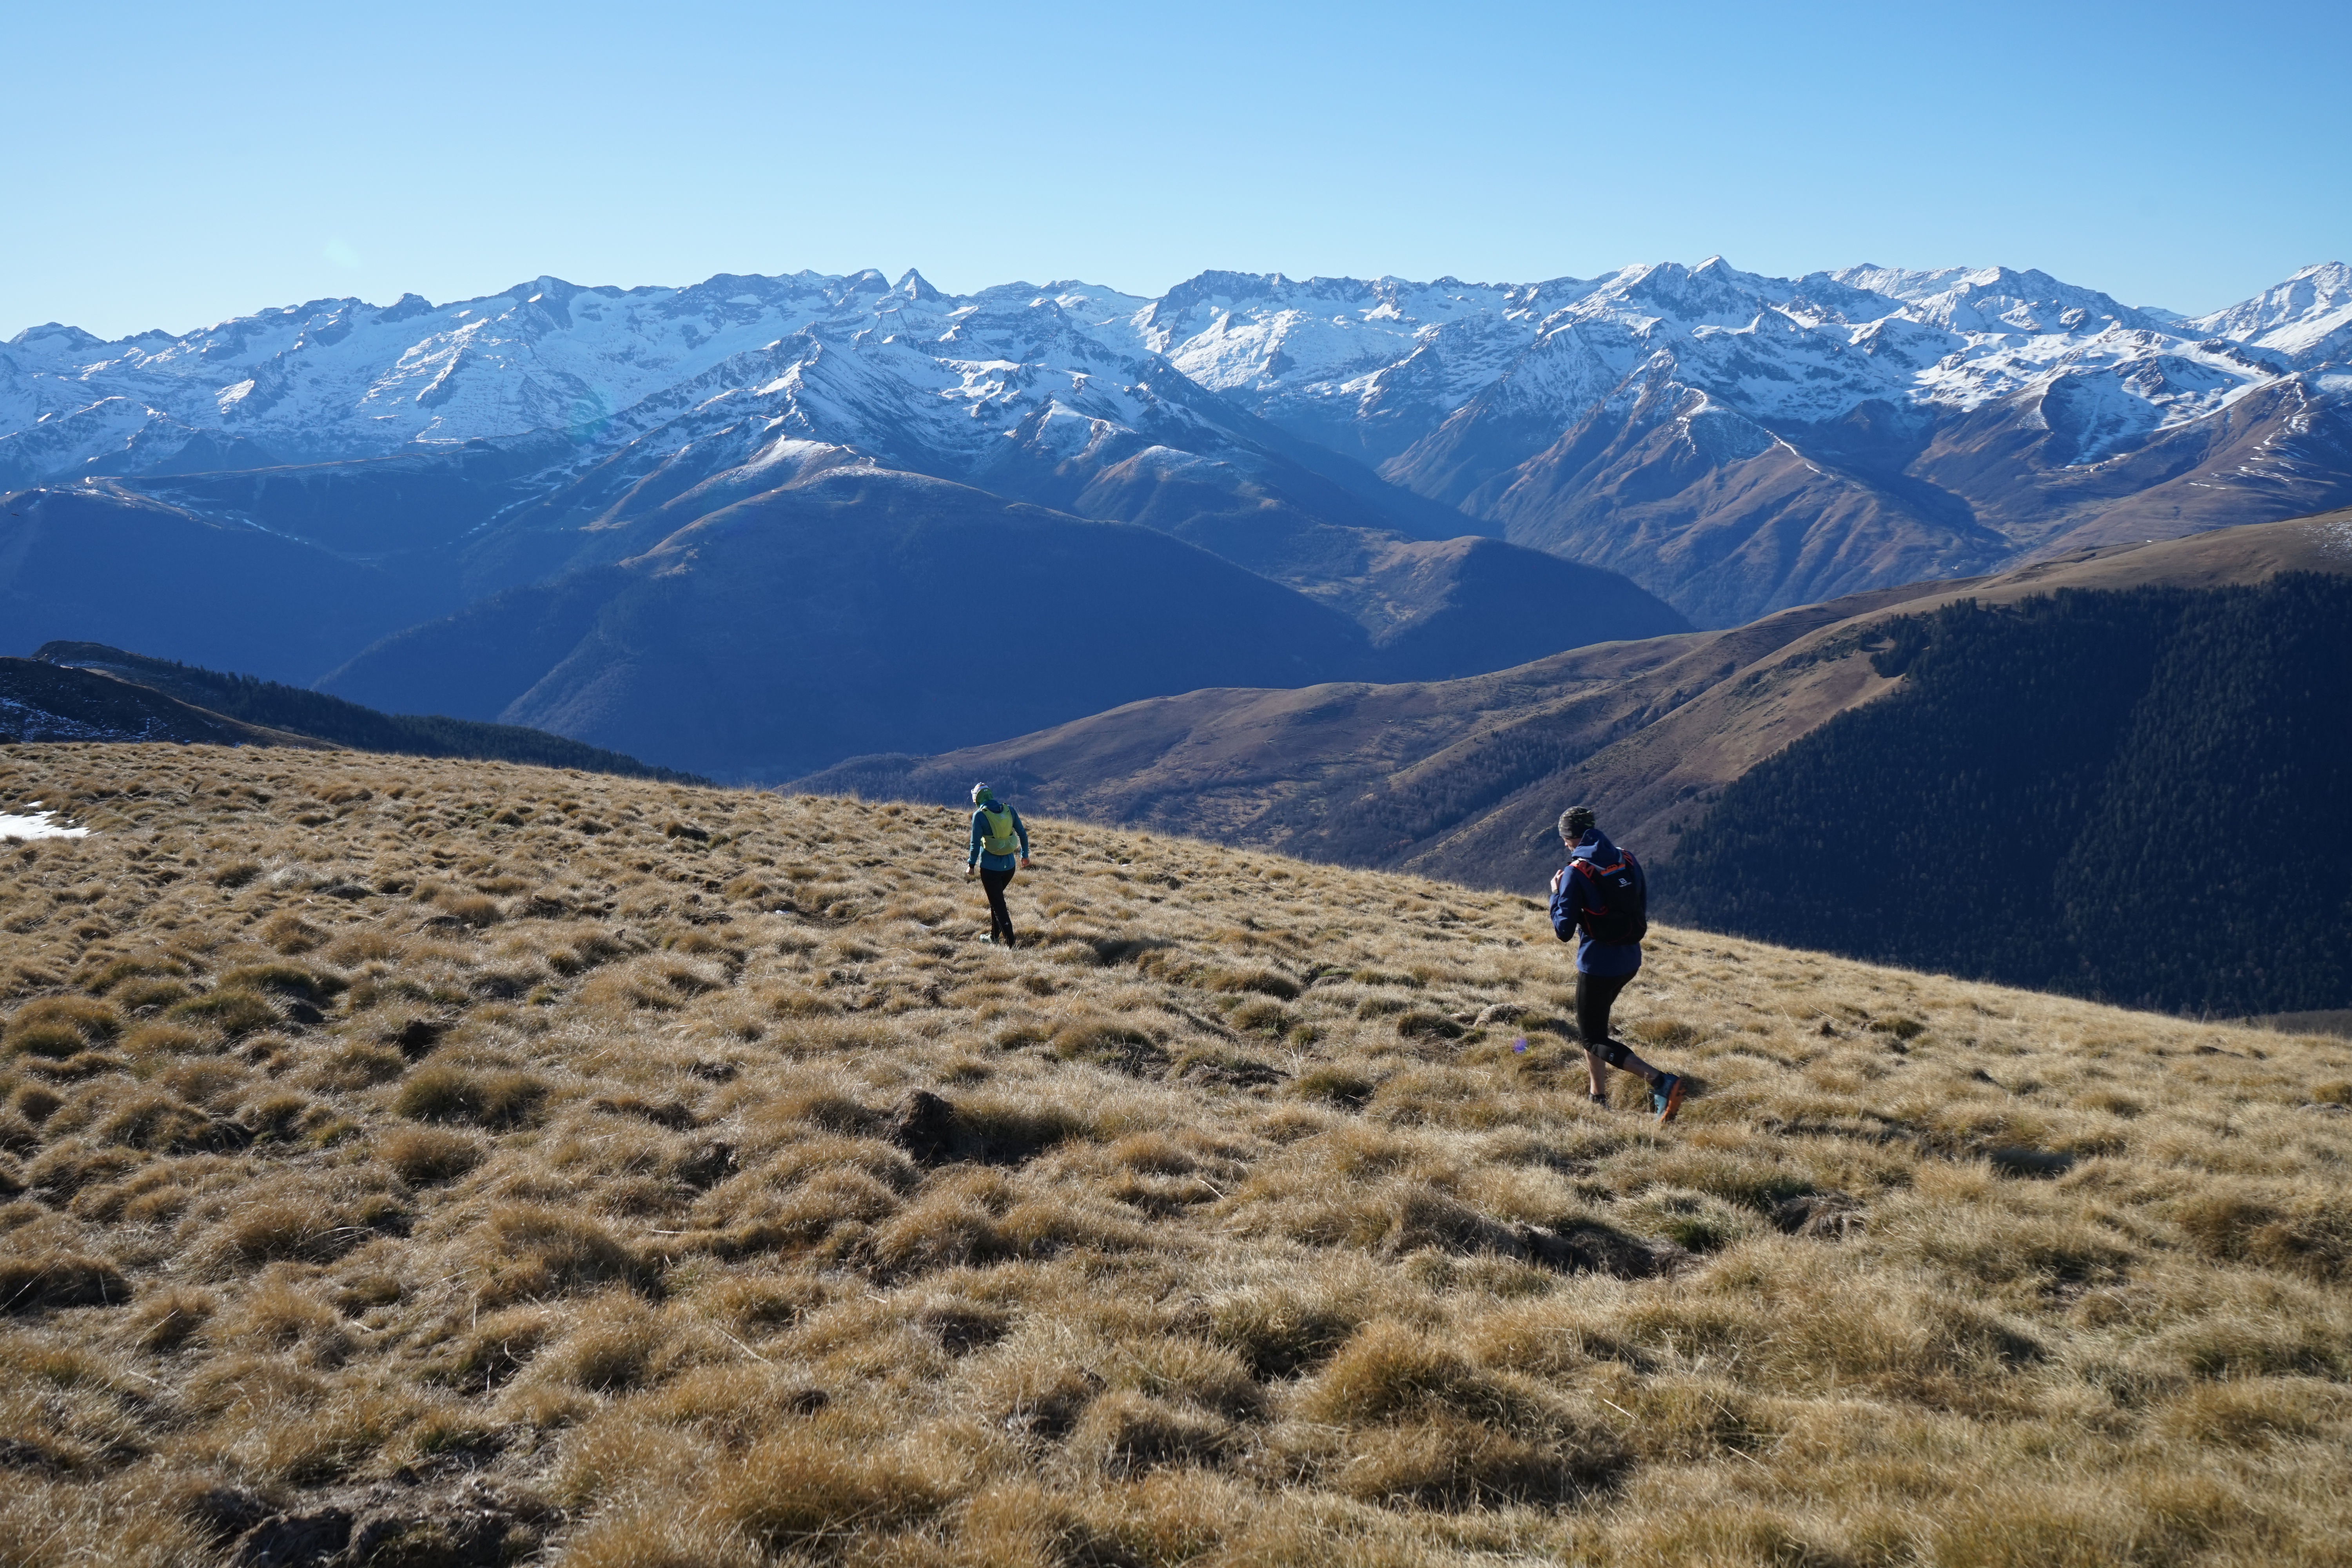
(496, 1160)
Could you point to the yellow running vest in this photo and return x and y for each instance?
(999, 838)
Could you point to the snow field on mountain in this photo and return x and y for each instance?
(2294, 316)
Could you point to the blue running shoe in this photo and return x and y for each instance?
(1667, 1098)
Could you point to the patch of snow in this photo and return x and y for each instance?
(35, 823)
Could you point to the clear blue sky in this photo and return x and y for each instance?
(171, 165)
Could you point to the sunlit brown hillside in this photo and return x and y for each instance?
(448, 1162)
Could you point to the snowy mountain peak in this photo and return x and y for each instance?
(1998, 300)
(2307, 318)
(55, 338)
(407, 308)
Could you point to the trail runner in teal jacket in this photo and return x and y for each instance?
(995, 829)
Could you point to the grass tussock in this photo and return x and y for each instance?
(630, 1175)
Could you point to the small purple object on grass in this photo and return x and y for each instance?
(1519, 1046)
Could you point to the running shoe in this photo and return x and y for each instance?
(1667, 1098)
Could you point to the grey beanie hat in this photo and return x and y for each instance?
(1576, 821)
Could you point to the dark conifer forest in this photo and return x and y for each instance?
(2140, 797)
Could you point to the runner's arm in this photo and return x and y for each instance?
(1564, 904)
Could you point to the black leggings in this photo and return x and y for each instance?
(1595, 994)
(1000, 919)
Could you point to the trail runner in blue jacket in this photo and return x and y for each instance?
(1603, 899)
(995, 829)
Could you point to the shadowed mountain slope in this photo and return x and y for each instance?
(855, 609)
(116, 567)
(1465, 606)
(1434, 608)
(406, 508)
(313, 563)
(92, 681)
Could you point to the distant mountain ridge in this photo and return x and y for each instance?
(1734, 443)
(1739, 444)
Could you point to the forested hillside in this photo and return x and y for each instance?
(2136, 796)
(252, 700)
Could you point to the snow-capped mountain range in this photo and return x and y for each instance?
(1769, 349)
(1732, 442)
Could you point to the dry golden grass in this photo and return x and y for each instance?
(522, 1163)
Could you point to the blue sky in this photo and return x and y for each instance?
(170, 166)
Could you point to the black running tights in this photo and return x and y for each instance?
(1595, 994)
(1000, 919)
